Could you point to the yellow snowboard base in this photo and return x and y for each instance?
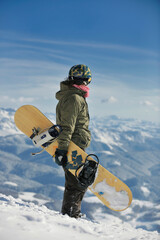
(115, 194)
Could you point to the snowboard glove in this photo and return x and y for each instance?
(61, 157)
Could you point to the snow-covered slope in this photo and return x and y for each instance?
(128, 148)
(7, 125)
(25, 220)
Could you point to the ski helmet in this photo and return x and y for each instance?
(79, 74)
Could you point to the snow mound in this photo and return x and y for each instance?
(25, 221)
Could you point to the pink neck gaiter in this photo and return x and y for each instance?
(83, 88)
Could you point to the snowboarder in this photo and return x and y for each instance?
(73, 116)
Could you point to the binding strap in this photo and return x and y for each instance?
(87, 171)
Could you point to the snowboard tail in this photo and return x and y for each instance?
(112, 192)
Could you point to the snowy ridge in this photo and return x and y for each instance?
(7, 125)
(25, 220)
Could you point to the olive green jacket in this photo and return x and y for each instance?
(72, 115)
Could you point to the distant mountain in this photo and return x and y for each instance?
(128, 148)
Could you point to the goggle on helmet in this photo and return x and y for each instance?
(80, 74)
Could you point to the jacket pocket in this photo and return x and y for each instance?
(82, 138)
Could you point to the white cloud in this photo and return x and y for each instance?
(110, 99)
(156, 109)
(150, 105)
(146, 103)
(7, 99)
(116, 47)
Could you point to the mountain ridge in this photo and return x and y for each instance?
(128, 148)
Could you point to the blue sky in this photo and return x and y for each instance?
(119, 40)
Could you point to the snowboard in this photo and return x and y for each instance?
(110, 190)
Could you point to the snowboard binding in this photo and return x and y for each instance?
(87, 172)
(45, 137)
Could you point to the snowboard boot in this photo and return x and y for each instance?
(73, 196)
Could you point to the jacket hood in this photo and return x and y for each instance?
(65, 90)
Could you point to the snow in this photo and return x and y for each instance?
(30, 196)
(108, 152)
(117, 163)
(109, 139)
(24, 220)
(117, 200)
(145, 191)
(7, 127)
(10, 184)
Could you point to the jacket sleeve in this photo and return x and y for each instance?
(68, 112)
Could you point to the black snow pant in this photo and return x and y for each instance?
(73, 195)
